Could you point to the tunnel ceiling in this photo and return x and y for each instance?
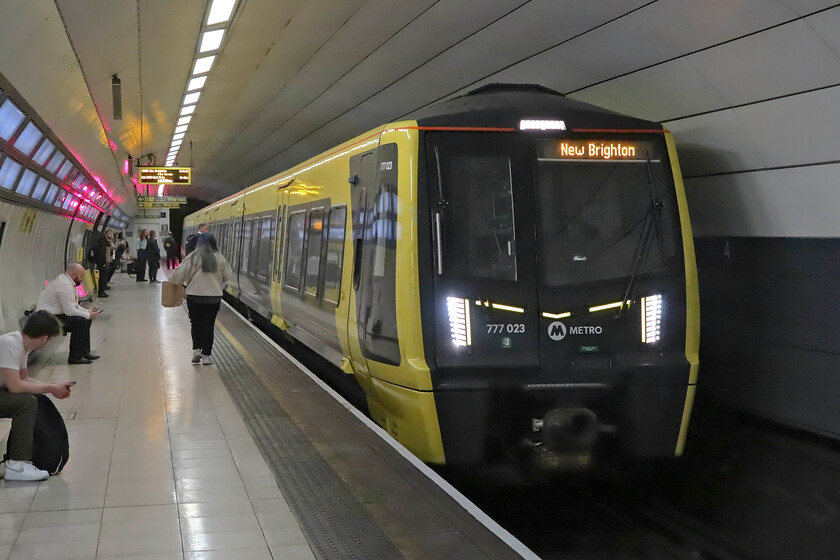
(296, 77)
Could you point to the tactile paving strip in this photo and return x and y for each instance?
(334, 522)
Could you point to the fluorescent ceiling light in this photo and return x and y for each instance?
(196, 83)
(182, 128)
(184, 120)
(178, 136)
(220, 11)
(191, 98)
(174, 146)
(188, 110)
(203, 65)
(211, 40)
(160, 190)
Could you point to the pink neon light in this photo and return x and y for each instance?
(114, 147)
(125, 167)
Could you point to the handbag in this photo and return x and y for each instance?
(171, 295)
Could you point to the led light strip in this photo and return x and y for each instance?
(459, 320)
(209, 48)
(651, 318)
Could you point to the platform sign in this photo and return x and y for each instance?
(160, 201)
(166, 175)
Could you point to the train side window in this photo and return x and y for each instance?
(294, 253)
(254, 248)
(358, 236)
(236, 250)
(335, 254)
(313, 252)
(246, 246)
(266, 237)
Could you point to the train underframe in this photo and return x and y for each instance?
(564, 426)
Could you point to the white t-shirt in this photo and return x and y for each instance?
(12, 353)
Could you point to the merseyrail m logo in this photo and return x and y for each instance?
(557, 330)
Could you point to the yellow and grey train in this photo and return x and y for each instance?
(509, 273)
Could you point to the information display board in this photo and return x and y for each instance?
(165, 175)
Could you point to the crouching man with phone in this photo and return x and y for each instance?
(18, 390)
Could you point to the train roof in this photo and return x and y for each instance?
(504, 105)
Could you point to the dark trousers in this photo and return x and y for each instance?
(154, 265)
(202, 321)
(79, 329)
(140, 265)
(22, 408)
(104, 276)
(171, 260)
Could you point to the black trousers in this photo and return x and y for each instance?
(171, 260)
(104, 276)
(140, 265)
(202, 321)
(154, 265)
(79, 329)
(22, 408)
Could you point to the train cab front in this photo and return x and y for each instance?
(561, 308)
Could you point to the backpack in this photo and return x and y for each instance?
(51, 448)
(191, 244)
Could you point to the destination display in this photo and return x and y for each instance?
(166, 175)
(596, 149)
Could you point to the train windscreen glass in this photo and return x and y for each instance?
(475, 185)
(595, 199)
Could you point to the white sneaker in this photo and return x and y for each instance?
(196, 356)
(24, 470)
(207, 360)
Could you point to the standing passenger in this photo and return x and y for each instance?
(140, 264)
(171, 249)
(153, 255)
(205, 272)
(192, 240)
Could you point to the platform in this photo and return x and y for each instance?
(249, 458)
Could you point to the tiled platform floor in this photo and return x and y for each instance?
(161, 465)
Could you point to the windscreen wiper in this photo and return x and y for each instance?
(651, 229)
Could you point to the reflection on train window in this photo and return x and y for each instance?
(313, 252)
(476, 187)
(384, 230)
(266, 236)
(26, 183)
(335, 254)
(9, 173)
(28, 139)
(294, 255)
(254, 247)
(10, 119)
(246, 246)
(592, 213)
(44, 151)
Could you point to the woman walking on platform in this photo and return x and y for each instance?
(205, 272)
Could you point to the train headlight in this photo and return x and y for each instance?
(459, 320)
(651, 318)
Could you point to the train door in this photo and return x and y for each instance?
(279, 245)
(486, 314)
(376, 306)
(2, 231)
(238, 224)
(362, 172)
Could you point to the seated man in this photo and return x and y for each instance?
(18, 390)
(61, 299)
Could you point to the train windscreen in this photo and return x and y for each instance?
(602, 204)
